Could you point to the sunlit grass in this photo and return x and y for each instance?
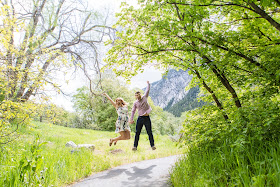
(63, 167)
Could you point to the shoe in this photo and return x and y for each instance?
(110, 143)
(115, 142)
(134, 148)
(154, 148)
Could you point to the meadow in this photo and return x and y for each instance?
(39, 155)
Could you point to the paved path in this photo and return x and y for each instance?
(153, 173)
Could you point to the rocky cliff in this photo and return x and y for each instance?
(170, 89)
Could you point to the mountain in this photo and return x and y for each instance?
(170, 89)
(189, 102)
(169, 93)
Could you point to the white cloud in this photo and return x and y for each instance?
(149, 74)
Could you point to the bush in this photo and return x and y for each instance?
(12, 116)
(241, 151)
(255, 122)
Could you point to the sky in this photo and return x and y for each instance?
(78, 80)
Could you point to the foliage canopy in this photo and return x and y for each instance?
(231, 48)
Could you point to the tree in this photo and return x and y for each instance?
(38, 39)
(52, 34)
(82, 104)
(192, 36)
(51, 113)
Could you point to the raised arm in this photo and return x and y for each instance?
(109, 98)
(148, 90)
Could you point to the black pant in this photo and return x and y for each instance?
(144, 120)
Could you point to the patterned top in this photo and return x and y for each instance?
(122, 123)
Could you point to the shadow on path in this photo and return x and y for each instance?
(112, 173)
(140, 173)
(153, 173)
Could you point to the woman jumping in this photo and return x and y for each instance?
(122, 123)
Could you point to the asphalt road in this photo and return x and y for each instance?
(152, 173)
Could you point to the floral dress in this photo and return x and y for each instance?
(122, 123)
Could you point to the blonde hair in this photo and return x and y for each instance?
(123, 102)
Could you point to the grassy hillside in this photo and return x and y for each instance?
(22, 163)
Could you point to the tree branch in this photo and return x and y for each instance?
(262, 13)
(210, 4)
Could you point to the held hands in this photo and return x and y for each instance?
(131, 122)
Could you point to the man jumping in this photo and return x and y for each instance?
(144, 109)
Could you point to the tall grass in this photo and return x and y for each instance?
(229, 166)
(30, 162)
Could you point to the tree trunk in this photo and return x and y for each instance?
(30, 59)
(31, 89)
(224, 81)
(218, 103)
(24, 80)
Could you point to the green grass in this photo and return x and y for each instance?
(252, 166)
(61, 167)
